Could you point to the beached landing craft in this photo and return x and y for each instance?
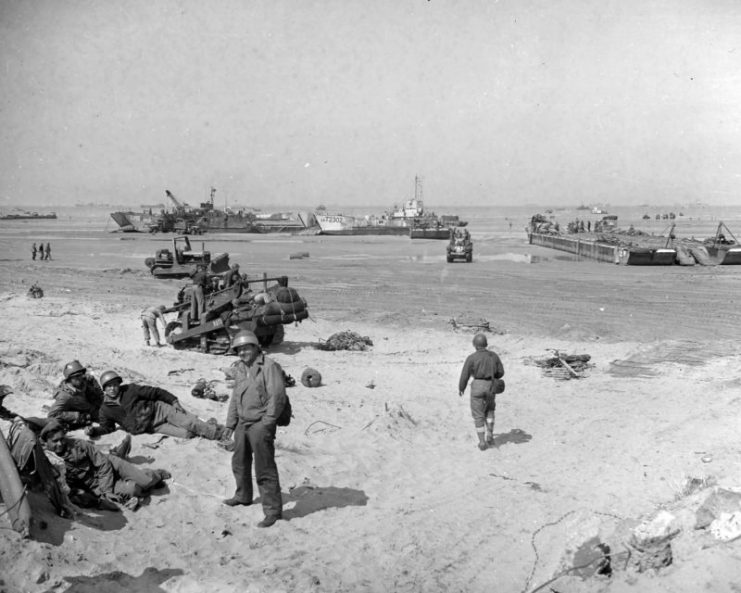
(725, 251)
(207, 218)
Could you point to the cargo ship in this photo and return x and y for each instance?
(410, 220)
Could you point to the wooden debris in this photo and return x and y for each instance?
(563, 366)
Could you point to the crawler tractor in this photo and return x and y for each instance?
(236, 308)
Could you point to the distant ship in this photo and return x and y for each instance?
(186, 220)
(410, 219)
(30, 216)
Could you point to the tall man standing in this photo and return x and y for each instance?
(485, 367)
(257, 400)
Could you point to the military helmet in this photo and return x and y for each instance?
(5, 390)
(73, 368)
(109, 376)
(479, 341)
(243, 338)
(161, 308)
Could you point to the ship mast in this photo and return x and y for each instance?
(417, 187)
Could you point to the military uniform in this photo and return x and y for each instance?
(258, 398)
(145, 409)
(71, 405)
(89, 470)
(483, 366)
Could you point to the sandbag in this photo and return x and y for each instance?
(286, 294)
(311, 378)
(284, 318)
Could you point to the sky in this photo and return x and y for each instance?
(343, 102)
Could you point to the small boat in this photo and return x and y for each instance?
(429, 231)
(725, 251)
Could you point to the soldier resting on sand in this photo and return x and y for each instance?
(96, 479)
(145, 409)
(77, 399)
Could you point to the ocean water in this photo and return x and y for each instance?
(85, 236)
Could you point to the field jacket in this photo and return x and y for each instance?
(70, 404)
(483, 365)
(87, 468)
(259, 393)
(134, 410)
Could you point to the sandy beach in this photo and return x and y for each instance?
(384, 487)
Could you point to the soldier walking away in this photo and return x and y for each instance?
(48, 251)
(33, 252)
(96, 479)
(145, 409)
(258, 398)
(41, 251)
(149, 319)
(485, 367)
(78, 398)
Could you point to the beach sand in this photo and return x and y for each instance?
(384, 487)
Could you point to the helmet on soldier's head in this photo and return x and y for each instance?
(161, 308)
(73, 368)
(479, 341)
(108, 377)
(235, 267)
(243, 338)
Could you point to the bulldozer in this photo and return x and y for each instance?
(182, 261)
(251, 304)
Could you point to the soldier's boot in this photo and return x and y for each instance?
(123, 449)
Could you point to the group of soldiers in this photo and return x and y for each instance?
(92, 478)
(43, 252)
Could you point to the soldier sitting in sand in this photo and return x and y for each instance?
(78, 398)
(95, 479)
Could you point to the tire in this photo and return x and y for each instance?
(450, 259)
(469, 258)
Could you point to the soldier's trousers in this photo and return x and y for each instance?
(167, 420)
(132, 480)
(259, 441)
(483, 403)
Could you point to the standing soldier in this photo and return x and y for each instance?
(258, 398)
(149, 319)
(197, 295)
(485, 367)
(33, 252)
(48, 251)
(41, 251)
(78, 398)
